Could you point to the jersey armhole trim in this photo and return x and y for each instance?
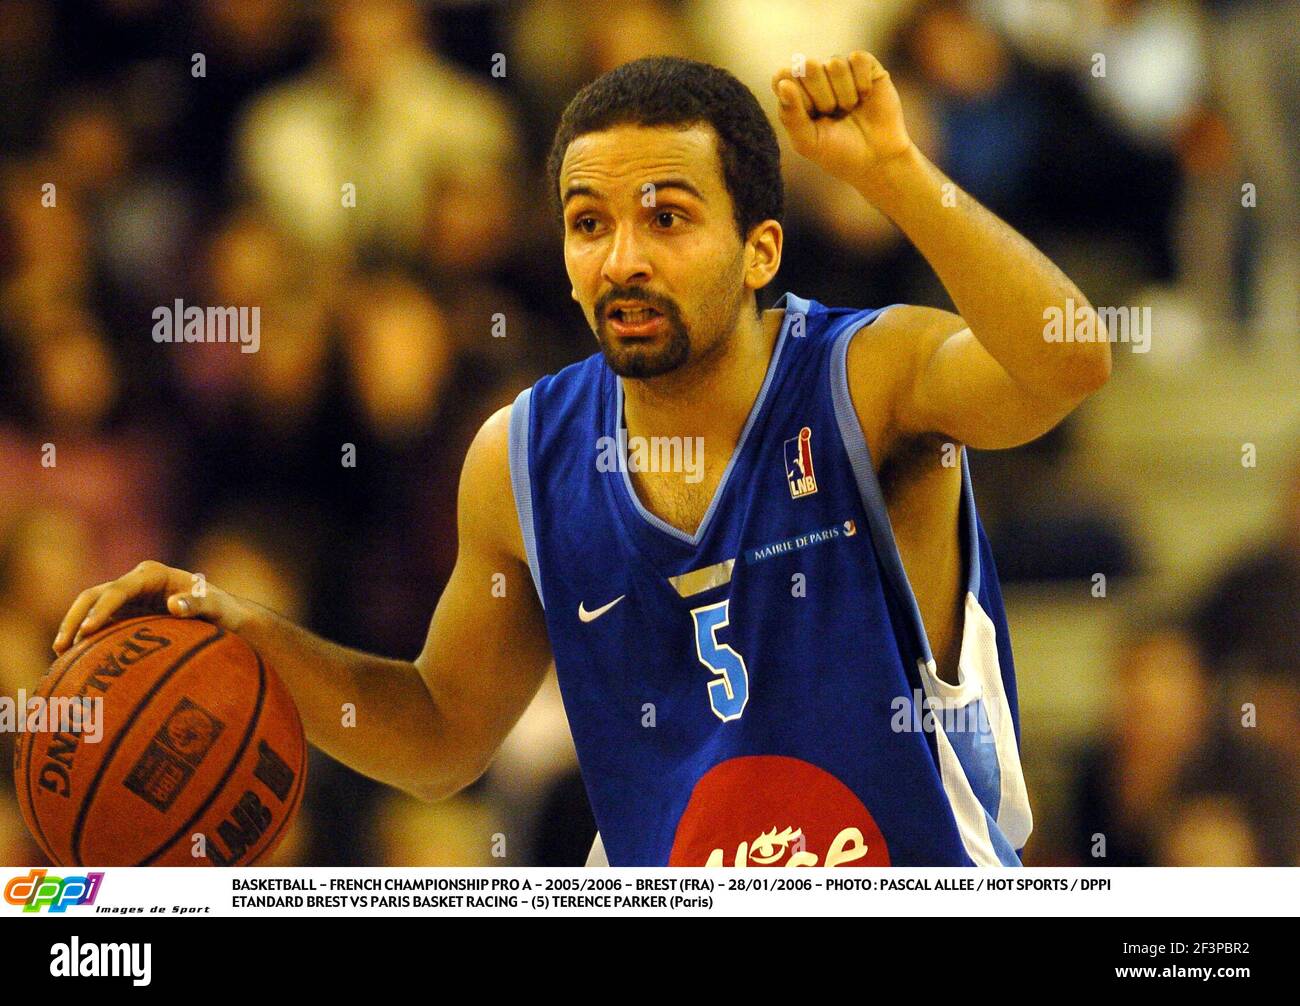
(864, 473)
(973, 574)
(521, 482)
(856, 444)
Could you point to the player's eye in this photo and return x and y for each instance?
(587, 225)
(665, 218)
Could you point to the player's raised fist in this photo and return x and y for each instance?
(844, 114)
(150, 588)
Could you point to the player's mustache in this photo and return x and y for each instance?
(662, 305)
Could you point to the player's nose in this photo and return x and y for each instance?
(626, 263)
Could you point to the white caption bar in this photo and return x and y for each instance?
(118, 892)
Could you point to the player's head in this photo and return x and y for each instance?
(668, 177)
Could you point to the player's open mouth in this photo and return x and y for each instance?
(635, 321)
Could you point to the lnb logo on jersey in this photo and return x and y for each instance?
(799, 474)
(37, 890)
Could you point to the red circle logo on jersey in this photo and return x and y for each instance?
(769, 810)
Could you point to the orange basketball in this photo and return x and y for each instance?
(197, 758)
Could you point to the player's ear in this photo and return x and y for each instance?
(763, 253)
(573, 293)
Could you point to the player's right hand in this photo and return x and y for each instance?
(150, 588)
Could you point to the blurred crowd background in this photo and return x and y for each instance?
(198, 149)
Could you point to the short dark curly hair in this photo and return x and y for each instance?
(670, 91)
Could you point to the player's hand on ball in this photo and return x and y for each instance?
(150, 588)
(843, 115)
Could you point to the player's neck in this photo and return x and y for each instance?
(712, 399)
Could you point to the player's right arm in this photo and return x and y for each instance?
(431, 726)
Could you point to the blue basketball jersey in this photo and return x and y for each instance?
(761, 692)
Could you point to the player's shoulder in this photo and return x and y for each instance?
(495, 475)
(486, 499)
(493, 437)
(825, 325)
(894, 340)
(903, 322)
(558, 403)
(915, 319)
(883, 359)
(487, 462)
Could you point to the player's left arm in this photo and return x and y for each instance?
(988, 377)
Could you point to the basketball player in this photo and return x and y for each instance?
(799, 657)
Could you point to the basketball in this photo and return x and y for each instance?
(189, 752)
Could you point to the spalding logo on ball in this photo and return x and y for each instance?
(199, 758)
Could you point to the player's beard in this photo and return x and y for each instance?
(637, 360)
(712, 334)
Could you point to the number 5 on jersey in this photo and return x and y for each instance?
(729, 693)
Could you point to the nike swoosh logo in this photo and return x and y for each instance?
(591, 616)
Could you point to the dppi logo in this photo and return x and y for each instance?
(36, 891)
(770, 810)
